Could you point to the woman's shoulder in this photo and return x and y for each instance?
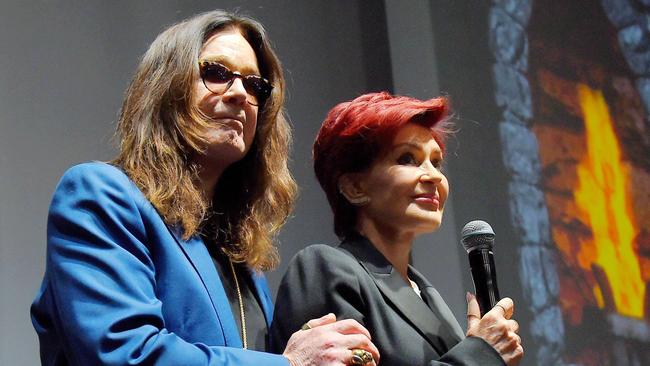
(324, 258)
(318, 251)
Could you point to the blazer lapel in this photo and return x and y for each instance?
(197, 253)
(435, 302)
(262, 289)
(398, 292)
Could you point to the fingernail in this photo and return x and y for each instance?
(468, 296)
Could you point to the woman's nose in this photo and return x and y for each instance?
(431, 173)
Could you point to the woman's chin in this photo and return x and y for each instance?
(429, 225)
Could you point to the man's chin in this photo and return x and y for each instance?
(232, 153)
(224, 154)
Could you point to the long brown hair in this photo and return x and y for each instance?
(160, 128)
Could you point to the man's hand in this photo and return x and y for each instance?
(329, 342)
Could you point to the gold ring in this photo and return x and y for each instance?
(305, 327)
(360, 357)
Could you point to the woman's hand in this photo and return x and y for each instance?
(329, 342)
(496, 328)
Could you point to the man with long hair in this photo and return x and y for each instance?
(157, 256)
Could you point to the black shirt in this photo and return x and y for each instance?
(256, 329)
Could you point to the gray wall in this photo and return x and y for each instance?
(415, 72)
(65, 65)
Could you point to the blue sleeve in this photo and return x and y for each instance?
(102, 280)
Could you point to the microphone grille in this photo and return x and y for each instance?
(477, 234)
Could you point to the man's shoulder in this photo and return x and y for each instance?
(94, 170)
(97, 180)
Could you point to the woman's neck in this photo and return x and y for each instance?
(393, 243)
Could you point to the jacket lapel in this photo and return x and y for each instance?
(262, 289)
(452, 329)
(197, 253)
(399, 293)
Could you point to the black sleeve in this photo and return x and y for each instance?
(319, 280)
(471, 351)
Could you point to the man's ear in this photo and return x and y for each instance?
(351, 187)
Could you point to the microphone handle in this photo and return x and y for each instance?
(481, 262)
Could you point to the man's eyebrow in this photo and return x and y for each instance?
(234, 66)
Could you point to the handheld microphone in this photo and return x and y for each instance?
(478, 239)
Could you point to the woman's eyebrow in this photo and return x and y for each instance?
(408, 144)
(417, 146)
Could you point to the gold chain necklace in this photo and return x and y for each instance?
(241, 305)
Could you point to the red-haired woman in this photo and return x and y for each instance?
(379, 159)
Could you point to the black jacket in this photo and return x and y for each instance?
(356, 281)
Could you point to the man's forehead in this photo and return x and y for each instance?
(230, 48)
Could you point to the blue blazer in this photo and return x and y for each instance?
(121, 287)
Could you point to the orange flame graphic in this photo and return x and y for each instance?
(603, 204)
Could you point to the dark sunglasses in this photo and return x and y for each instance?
(218, 78)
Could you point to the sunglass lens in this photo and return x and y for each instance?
(216, 73)
(258, 87)
(217, 77)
